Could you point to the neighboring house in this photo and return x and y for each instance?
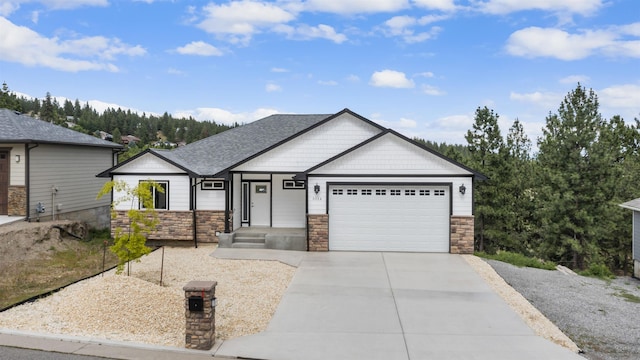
(45, 165)
(343, 181)
(635, 206)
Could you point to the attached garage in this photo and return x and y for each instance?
(389, 217)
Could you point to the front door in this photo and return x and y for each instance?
(256, 203)
(4, 182)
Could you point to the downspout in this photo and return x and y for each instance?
(192, 205)
(28, 179)
(227, 199)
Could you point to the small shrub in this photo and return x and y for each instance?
(600, 271)
(519, 260)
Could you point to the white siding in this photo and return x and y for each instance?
(313, 147)
(16, 170)
(209, 199)
(148, 164)
(462, 205)
(636, 235)
(178, 190)
(288, 205)
(391, 155)
(72, 170)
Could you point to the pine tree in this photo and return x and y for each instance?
(9, 100)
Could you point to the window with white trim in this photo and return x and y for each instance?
(160, 197)
(293, 184)
(337, 191)
(212, 185)
(381, 192)
(395, 192)
(365, 192)
(352, 192)
(409, 192)
(425, 192)
(438, 192)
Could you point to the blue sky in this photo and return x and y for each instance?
(421, 67)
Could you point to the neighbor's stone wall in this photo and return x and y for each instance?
(207, 223)
(462, 234)
(17, 205)
(318, 232)
(173, 225)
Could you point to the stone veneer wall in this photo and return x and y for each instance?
(318, 232)
(173, 225)
(207, 223)
(17, 201)
(462, 228)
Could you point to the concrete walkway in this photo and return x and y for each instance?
(347, 305)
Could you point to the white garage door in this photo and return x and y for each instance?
(389, 218)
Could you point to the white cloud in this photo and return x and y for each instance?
(353, 78)
(582, 7)
(407, 123)
(222, 116)
(444, 5)
(427, 74)
(237, 21)
(271, 87)
(328, 83)
(546, 100)
(22, 45)
(621, 96)
(559, 44)
(403, 26)
(390, 78)
(461, 121)
(306, 32)
(200, 48)
(355, 6)
(432, 90)
(174, 71)
(574, 79)
(279, 70)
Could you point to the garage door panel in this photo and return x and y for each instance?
(414, 218)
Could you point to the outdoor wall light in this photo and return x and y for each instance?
(17, 158)
(462, 189)
(316, 188)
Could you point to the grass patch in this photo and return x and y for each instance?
(58, 266)
(599, 271)
(518, 260)
(627, 296)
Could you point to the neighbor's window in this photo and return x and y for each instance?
(160, 199)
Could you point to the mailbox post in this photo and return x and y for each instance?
(200, 302)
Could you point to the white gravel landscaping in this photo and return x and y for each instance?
(138, 309)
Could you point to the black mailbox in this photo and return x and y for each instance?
(196, 303)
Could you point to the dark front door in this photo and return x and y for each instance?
(4, 182)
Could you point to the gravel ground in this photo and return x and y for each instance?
(602, 317)
(136, 308)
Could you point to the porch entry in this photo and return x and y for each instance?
(4, 182)
(256, 203)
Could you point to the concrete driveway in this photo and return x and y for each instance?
(349, 305)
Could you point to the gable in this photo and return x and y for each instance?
(392, 155)
(314, 146)
(148, 164)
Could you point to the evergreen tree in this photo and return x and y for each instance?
(572, 195)
(485, 144)
(9, 100)
(48, 112)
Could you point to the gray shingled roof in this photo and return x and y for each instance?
(219, 152)
(633, 204)
(19, 128)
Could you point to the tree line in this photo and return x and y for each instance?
(152, 130)
(561, 202)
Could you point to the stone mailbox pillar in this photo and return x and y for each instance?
(200, 311)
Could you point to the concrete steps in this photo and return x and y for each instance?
(249, 241)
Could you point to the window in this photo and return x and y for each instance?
(365, 192)
(212, 185)
(410, 192)
(337, 191)
(424, 192)
(381, 192)
(293, 184)
(352, 192)
(438, 192)
(160, 198)
(395, 192)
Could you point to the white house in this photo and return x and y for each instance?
(635, 206)
(309, 182)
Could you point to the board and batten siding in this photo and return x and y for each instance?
(70, 169)
(178, 190)
(16, 170)
(314, 146)
(636, 235)
(288, 205)
(462, 205)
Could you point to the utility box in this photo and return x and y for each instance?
(200, 311)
